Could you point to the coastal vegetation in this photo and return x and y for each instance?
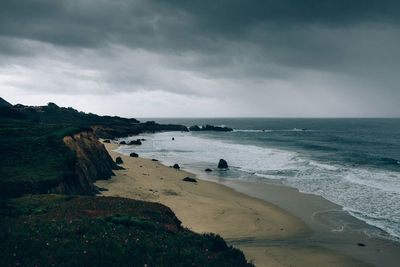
(51, 149)
(34, 157)
(46, 230)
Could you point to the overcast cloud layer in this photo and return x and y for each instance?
(180, 58)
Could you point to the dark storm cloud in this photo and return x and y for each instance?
(177, 25)
(195, 47)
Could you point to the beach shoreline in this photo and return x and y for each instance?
(268, 234)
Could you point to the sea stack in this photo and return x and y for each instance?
(222, 164)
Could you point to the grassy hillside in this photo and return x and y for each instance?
(34, 156)
(97, 231)
(55, 114)
(59, 230)
(103, 126)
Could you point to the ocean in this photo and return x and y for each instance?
(354, 163)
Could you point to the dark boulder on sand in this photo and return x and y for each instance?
(154, 159)
(173, 138)
(208, 170)
(176, 166)
(102, 189)
(122, 143)
(222, 164)
(118, 160)
(133, 155)
(188, 179)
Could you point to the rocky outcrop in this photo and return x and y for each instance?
(115, 131)
(210, 128)
(134, 155)
(222, 164)
(92, 163)
(194, 128)
(135, 142)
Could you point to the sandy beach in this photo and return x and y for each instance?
(211, 207)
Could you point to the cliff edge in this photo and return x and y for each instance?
(92, 163)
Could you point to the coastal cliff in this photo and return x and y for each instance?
(92, 163)
(48, 149)
(58, 148)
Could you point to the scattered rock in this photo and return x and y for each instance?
(107, 141)
(208, 170)
(361, 244)
(122, 143)
(222, 164)
(176, 166)
(102, 189)
(173, 138)
(135, 142)
(188, 179)
(154, 159)
(133, 155)
(118, 160)
(142, 139)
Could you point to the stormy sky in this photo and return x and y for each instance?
(208, 58)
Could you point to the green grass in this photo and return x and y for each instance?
(98, 231)
(33, 156)
(47, 230)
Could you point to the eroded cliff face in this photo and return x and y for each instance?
(93, 163)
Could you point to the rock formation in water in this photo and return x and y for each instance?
(207, 127)
(222, 164)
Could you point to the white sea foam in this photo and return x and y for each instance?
(370, 195)
(252, 131)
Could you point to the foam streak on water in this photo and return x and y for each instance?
(372, 195)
